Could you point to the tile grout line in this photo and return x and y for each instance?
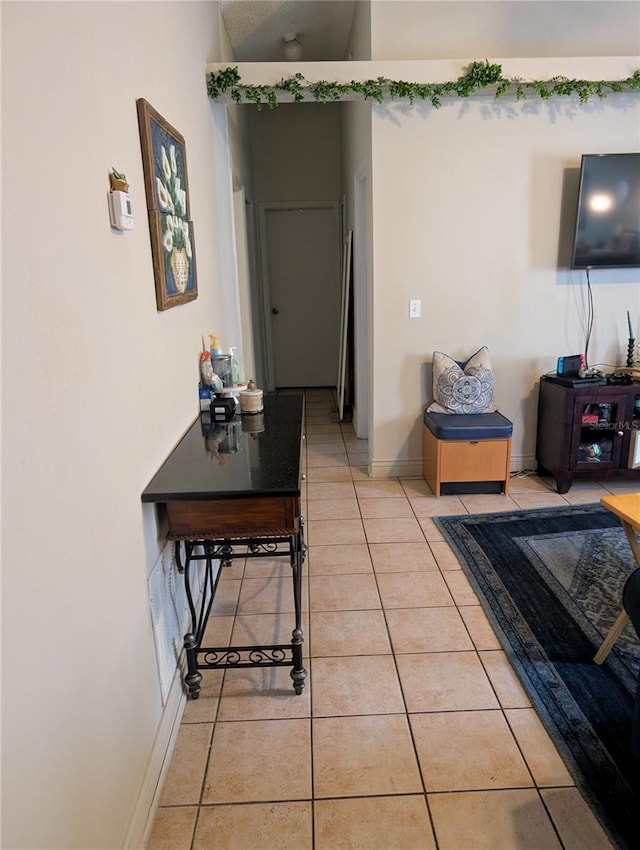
(404, 702)
(310, 659)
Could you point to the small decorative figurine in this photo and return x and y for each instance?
(207, 375)
(118, 181)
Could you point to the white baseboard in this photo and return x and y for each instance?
(520, 462)
(396, 468)
(149, 797)
(413, 468)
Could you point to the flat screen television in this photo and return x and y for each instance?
(607, 229)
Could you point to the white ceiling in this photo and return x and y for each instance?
(255, 28)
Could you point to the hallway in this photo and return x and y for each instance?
(413, 732)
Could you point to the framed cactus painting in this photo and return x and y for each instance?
(164, 162)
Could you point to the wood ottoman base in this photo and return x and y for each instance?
(460, 448)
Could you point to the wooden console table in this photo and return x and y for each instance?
(232, 490)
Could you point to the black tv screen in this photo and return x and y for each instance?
(607, 231)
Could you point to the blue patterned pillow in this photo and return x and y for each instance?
(462, 387)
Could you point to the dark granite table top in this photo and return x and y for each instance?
(236, 459)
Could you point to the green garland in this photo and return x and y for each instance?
(479, 76)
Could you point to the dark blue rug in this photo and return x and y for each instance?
(551, 581)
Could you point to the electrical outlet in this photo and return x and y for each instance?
(414, 309)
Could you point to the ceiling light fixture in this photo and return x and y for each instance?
(291, 47)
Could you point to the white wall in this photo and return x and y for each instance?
(360, 36)
(252, 352)
(467, 207)
(357, 179)
(449, 29)
(296, 152)
(97, 388)
(470, 204)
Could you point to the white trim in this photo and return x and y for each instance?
(518, 462)
(362, 303)
(425, 71)
(395, 468)
(144, 813)
(412, 468)
(344, 321)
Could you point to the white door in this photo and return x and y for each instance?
(301, 264)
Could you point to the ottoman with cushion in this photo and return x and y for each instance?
(463, 448)
(466, 441)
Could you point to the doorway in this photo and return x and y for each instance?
(301, 263)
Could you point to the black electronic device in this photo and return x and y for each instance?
(568, 381)
(570, 365)
(622, 378)
(606, 230)
(223, 408)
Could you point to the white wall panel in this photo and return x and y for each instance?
(97, 388)
(470, 203)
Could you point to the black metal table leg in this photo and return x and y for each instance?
(193, 678)
(199, 657)
(298, 673)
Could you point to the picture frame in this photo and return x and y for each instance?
(634, 451)
(164, 163)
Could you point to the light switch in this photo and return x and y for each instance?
(415, 309)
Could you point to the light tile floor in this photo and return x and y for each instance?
(413, 731)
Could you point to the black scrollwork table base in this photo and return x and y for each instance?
(201, 657)
(232, 490)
